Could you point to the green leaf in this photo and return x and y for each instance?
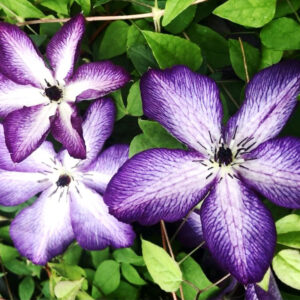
(140, 143)
(213, 46)
(288, 231)
(163, 269)
(22, 8)
(124, 291)
(83, 296)
(99, 256)
(134, 35)
(18, 267)
(68, 289)
(72, 255)
(252, 58)
(192, 272)
(26, 288)
(107, 276)
(131, 274)
(173, 9)
(119, 103)
(68, 271)
(269, 57)
(127, 255)
(8, 253)
(286, 265)
(134, 100)
(171, 50)
(85, 6)
(114, 40)
(284, 7)
(264, 284)
(61, 6)
(182, 21)
(250, 13)
(281, 34)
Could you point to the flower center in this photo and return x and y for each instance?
(53, 93)
(224, 156)
(63, 180)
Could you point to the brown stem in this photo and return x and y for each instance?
(244, 59)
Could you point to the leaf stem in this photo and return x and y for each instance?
(192, 252)
(244, 59)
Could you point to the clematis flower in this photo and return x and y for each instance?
(232, 164)
(70, 205)
(35, 99)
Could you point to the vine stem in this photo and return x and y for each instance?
(102, 18)
(244, 59)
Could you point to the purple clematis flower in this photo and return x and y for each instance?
(231, 164)
(35, 99)
(70, 205)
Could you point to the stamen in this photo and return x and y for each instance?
(210, 137)
(236, 127)
(208, 175)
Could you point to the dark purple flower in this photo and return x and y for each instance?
(231, 163)
(70, 205)
(35, 99)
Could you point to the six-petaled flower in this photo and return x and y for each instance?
(70, 205)
(231, 163)
(35, 99)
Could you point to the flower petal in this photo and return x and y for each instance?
(14, 96)
(238, 230)
(187, 104)
(94, 80)
(270, 100)
(191, 234)
(97, 126)
(40, 160)
(25, 129)
(158, 184)
(63, 49)
(99, 173)
(66, 128)
(43, 230)
(18, 187)
(273, 169)
(19, 59)
(93, 226)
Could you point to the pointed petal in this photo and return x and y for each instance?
(41, 160)
(94, 80)
(25, 129)
(66, 128)
(187, 104)
(18, 187)
(43, 230)
(63, 49)
(19, 59)
(14, 96)
(191, 234)
(273, 169)
(93, 226)
(99, 173)
(158, 184)
(270, 100)
(97, 126)
(238, 230)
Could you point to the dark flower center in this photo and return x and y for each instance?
(53, 93)
(224, 156)
(63, 180)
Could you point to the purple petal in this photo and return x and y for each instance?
(191, 234)
(14, 96)
(19, 59)
(18, 187)
(97, 126)
(270, 100)
(93, 226)
(238, 230)
(99, 173)
(94, 80)
(43, 230)
(158, 184)
(63, 49)
(187, 104)
(25, 129)
(66, 128)
(273, 169)
(40, 160)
